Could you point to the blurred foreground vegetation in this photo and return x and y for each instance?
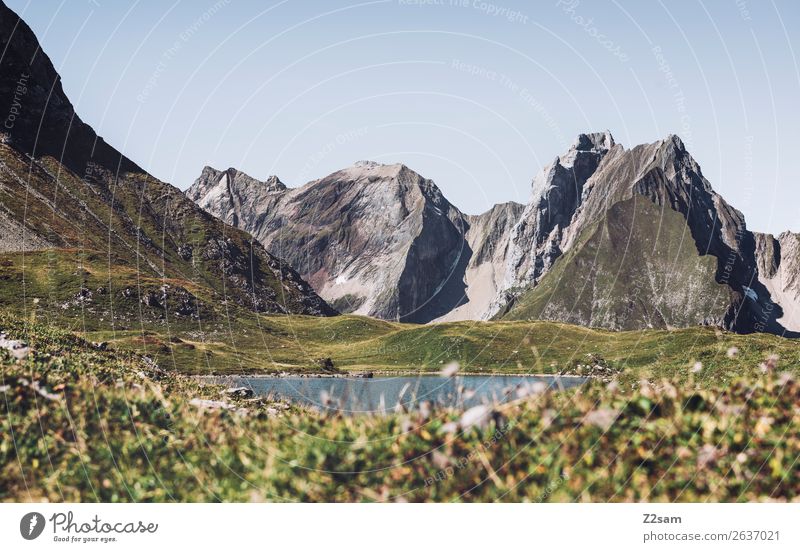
(80, 423)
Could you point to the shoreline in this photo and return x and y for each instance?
(356, 375)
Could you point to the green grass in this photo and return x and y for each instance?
(83, 424)
(226, 338)
(267, 344)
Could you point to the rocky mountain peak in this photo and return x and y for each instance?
(366, 164)
(238, 178)
(675, 159)
(362, 172)
(558, 192)
(597, 142)
(218, 191)
(376, 239)
(582, 158)
(209, 172)
(674, 141)
(733, 278)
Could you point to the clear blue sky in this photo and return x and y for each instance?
(474, 94)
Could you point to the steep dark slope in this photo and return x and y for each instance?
(66, 194)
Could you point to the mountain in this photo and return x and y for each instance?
(535, 240)
(84, 230)
(373, 239)
(638, 238)
(612, 237)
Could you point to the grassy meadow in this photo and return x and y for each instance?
(104, 406)
(83, 423)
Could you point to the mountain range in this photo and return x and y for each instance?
(612, 238)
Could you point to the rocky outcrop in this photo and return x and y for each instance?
(15, 237)
(488, 237)
(539, 236)
(233, 192)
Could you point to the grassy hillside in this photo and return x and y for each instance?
(294, 343)
(133, 225)
(185, 329)
(628, 272)
(79, 423)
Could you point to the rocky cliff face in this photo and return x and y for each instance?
(232, 192)
(372, 239)
(63, 188)
(538, 237)
(778, 262)
(488, 238)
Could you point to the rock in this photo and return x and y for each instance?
(185, 251)
(18, 350)
(594, 366)
(152, 299)
(778, 264)
(239, 392)
(487, 236)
